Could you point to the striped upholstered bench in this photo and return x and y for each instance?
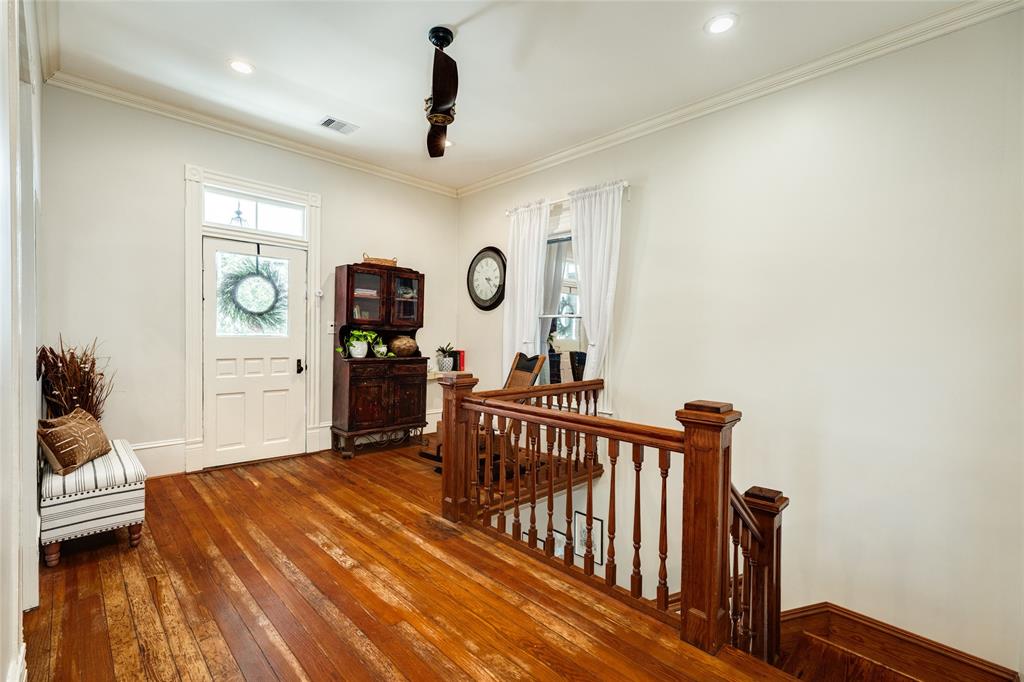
(108, 492)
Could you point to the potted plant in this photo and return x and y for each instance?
(358, 342)
(445, 361)
(379, 348)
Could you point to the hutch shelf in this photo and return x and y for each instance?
(383, 396)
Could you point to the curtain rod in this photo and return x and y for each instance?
(564, 200)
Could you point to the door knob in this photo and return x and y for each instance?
(299, 369)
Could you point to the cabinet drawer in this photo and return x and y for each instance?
(369, 370)
(410, 369)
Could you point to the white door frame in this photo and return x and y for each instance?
(195, 229)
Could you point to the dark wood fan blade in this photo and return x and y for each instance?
(446, 82)
(435, 140)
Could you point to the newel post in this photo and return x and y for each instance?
(454, 420)
(766, 505)
(707, 454)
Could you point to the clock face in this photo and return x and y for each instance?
(486, 278)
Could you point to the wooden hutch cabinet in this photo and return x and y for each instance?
(377, 395)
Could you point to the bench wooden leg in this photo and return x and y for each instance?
(51, 553)
(134, 534)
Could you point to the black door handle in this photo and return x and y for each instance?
(299, 369)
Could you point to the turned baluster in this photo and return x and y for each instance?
(568, 557)
(662, 594)
(488, 500)
(745, 541)
(588, 545)
(734, 586)
(502, 475)
(549, 538)
(473, 460)
(636, 579)
(609, 566)
(533, 435)
(517, 527)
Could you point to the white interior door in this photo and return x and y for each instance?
(254, 344)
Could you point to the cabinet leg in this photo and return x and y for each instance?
(341, 445)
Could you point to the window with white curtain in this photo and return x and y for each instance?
(561, 331)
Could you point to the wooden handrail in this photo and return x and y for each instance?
(505, 451)
(739, 505)
(543, 390)
(605, 427)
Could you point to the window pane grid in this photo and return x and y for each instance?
(238, 210)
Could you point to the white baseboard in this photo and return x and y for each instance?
(161, 457)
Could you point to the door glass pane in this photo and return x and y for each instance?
(407, 296)
(252, 295)
(366, 296)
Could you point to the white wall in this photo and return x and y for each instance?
(843, 261)
(111, 251)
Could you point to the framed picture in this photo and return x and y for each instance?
(580, 537)
(559, 541)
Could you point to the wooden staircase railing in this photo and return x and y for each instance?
(722, 599)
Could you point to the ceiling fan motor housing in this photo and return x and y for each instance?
(441, 36)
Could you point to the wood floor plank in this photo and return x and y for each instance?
(37, 632)
(317, 568)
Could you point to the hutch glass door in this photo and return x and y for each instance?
(367, 297)
(405, 305)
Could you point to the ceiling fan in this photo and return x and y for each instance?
(440, 106)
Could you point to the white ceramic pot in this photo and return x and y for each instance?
(380, 351)
(445, 363)
(358, 349)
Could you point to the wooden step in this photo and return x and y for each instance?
(816, 658)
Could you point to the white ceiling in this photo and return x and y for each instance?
(534, 77)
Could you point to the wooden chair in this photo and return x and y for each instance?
(523, 374)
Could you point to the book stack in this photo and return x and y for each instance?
(364, 292)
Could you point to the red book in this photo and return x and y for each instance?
(461, 360)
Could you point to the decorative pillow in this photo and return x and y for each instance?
(72, 440)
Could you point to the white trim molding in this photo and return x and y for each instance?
(195, 229)
(161, 457)
(951, 20)
(935, 26)
(89, 87)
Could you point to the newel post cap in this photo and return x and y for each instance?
(457, 380)
(766, 499)
(708, 413)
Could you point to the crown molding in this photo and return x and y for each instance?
(933, 27)
(48, 32)
(85, 86)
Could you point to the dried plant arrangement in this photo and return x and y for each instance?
(71, 378)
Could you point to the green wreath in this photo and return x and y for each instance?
(254, 296)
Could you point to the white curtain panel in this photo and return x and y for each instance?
(596, 224)
(524, 279)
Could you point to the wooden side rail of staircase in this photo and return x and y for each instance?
(728, 544)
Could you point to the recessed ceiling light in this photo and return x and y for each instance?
(240, 66)
(721, 23)
(448, 143)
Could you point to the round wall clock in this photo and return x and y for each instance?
(486, 278)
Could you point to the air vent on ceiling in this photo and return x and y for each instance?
(337, 125)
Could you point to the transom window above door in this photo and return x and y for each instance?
(238, 210)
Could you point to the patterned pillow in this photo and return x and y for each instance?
(72, 440)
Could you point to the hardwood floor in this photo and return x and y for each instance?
(328, 569)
